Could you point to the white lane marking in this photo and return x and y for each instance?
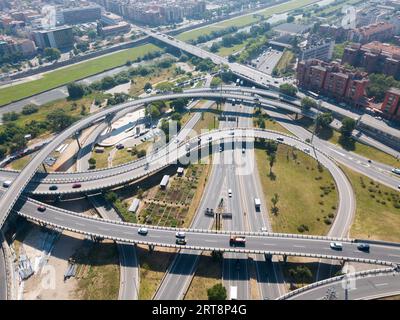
(210, 241)
(269, 244)
(342, 154)
(394, 255)
(381, 284)
(297, 246)
(79, 224)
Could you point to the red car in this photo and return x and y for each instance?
(76, 185)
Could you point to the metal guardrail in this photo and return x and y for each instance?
(354, 275)
(220, 249)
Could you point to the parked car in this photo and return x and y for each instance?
(53, 187)
(143, 231)
(76, 185)
(336, 245)
(119, 146)
(41, 208)
(279, 139)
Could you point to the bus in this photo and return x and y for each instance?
(313, 94)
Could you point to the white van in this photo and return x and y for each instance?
(230, 193)
(7, 183)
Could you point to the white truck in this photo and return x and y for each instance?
(257, 203)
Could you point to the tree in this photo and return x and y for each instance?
(92, 162)
(147, 86)
(214, 47)
(324, 120)
(18, 142)
(29, 109)
(288, 89)
(76, 90)
(271, 147)
(10, 116)
(272, 160)
(379, 84)
(59, 120)
(179, 104)
(215, 82)
(111, 197)
(217, 292)
(307, 103)
(274, 201)
(52, 54)
(92, 34)
(82, 46)
(3, 151)
(347, 128)
(290, 19)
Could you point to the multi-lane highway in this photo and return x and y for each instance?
(256, 243)
(94, 179)
(379, 283)
(26, 173)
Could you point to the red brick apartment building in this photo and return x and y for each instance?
(374, 57)
(391, 105)
(380, 31)
(334, 80)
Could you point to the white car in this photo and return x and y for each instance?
(307, 150)
(336, 245)
(143, 231)
(396, 170)
(230, 193)
(180, 234)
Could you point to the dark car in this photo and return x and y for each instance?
(76, 185)
(180, 241)
(41, 208)
(53, 188)
(363, 247)
(119, 146)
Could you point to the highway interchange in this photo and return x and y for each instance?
(259, 244)
(287, 139)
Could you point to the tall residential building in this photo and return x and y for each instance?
(374, 57)
(381, 31)
(319, 49)
(334, 80)
(78, 15)
(391, 104)
(10, 46)
(61, 38)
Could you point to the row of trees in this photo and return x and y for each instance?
(12, 135)
(213, 35)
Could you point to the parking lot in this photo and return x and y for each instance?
(267, 61)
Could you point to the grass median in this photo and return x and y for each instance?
(377, 211)
(307, 194)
